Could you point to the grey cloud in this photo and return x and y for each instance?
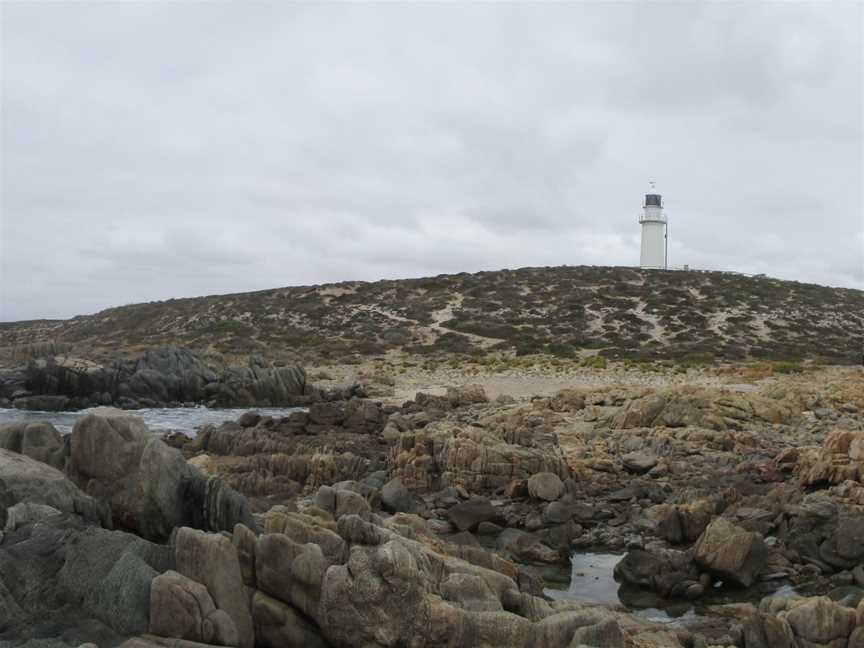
(155, 150)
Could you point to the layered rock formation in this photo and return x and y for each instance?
(330, 573)
(160, 377)
(472, 491)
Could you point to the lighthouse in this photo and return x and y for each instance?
(654, 232)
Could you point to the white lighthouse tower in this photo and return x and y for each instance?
(654, 234)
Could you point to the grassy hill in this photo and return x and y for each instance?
(561, 311)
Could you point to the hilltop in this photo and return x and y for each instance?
(559, 311)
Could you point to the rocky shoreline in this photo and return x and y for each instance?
(165, 377)
(361, 523)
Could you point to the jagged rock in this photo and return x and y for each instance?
(304, 529)
(545, 486)
(731, 553)
(292, 572)
(686, 522)
(159, 376)
(149, 486)
(100, 579)
(211, 559)
(477, 459)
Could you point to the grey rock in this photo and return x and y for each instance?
(466, 516)
(211, 560)
(39, 440)
(26, 480)
(396, 498)
(639, 462)
(545, 486)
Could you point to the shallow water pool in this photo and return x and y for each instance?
(591, 580)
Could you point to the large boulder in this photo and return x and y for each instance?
(466, 516)
(731, 553)
(149, 485)
(59, 577)
(211, 559)
(26, 480)
(159, 376)
(183, 609)
(108, 574)
(545, 486)
(821, 621)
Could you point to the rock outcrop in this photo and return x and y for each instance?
(39, 440)
(731, 553)
(160, 377)
(149, 486)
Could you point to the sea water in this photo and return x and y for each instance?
(187, 420)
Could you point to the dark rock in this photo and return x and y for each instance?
(39, 440)
(466, 516)
(149, 486)
(639, 462)
(249, 419)
(398, 499)
(327, 414)
(159, 377)
(558, 512)
(731, 553)
(850, 536)
(489, 529)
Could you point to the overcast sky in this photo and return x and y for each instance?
(154, 150)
